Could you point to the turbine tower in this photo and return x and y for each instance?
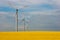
(17, 19)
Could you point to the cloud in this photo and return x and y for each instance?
(6, 20)
(37, 1)
(21, 3)
(11, 14)
(55, 3)
(49, 12)
(45, 22)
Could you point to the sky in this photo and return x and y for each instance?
(39, 14)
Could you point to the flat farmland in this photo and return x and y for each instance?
(30, 35)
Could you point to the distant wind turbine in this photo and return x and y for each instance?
(17, 6)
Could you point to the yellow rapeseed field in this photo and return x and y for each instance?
(30, 35)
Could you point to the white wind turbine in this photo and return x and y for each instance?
(26, 20)
(17, 4)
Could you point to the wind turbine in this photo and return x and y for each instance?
(25, 20)
(16, 6)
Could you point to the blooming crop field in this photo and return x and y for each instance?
(37, 35)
